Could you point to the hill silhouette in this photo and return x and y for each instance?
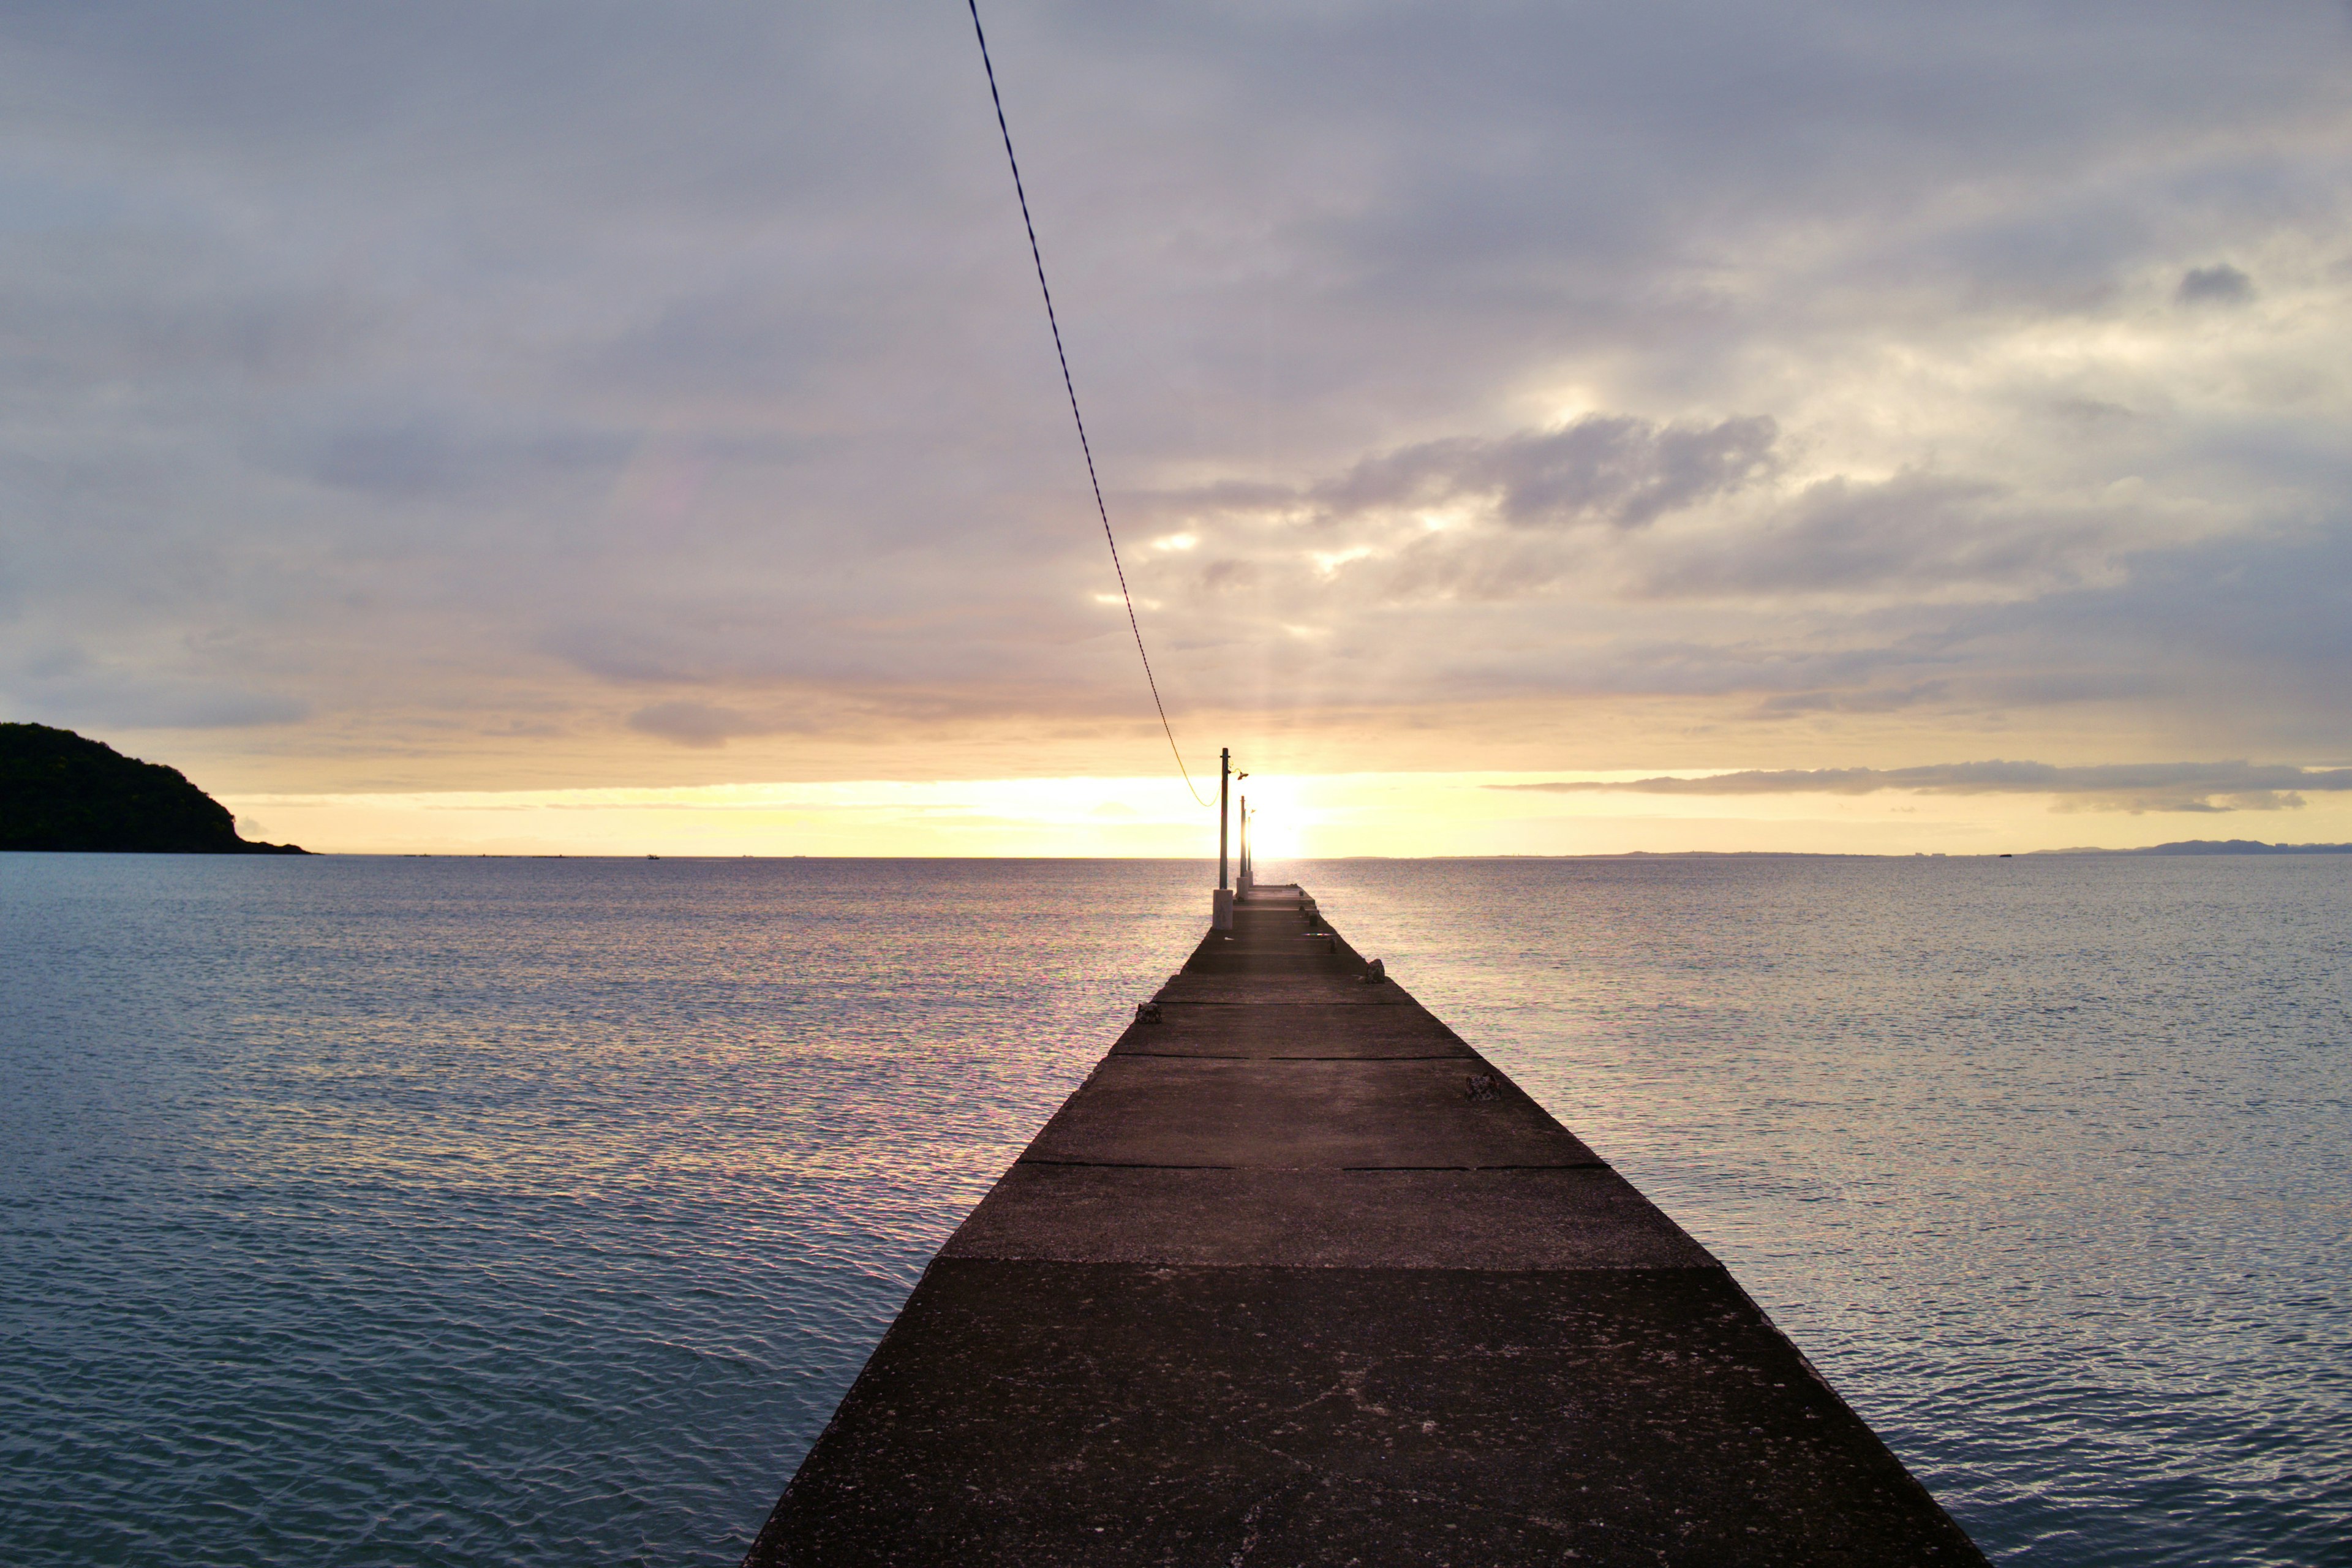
(2214, 846)
(61, 791)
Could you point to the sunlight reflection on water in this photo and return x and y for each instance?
(393, 1211)
(513, 1212)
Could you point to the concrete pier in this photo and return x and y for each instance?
(1296, 1277)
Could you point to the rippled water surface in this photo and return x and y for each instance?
(402, 1211)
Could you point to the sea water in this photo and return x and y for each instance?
(361, 1211)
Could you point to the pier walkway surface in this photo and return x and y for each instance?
(1296, 1277)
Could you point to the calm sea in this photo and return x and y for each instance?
(443, 1212)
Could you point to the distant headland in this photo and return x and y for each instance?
(2215, 846)
(61, 791)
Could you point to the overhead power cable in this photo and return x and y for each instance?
(1038, 257)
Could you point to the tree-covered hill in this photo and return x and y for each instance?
(60, 791)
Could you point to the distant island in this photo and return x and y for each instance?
(2215, 846)
(61, 791)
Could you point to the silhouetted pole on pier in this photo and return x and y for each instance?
(1224, 786)
(1221, 907)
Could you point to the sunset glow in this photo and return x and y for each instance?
(1302, 817)
(1507, 395)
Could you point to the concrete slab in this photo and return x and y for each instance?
(1273, 1288)
(1233, 990)
(1270, 960)
(1173, 1111)
(1283, 1029)
(1273, 948)
(1576, 1217)
(1046, 1413)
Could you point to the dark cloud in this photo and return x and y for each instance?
(70, 690)
(2219, 284)
(1601, 469)
(2140, 786)
(1865, 700)
(440, 458)
(2248, 634)
(695, 723)
(1917, 530)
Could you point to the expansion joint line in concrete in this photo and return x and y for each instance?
(1119, 1165)
(1550, 1165)
(1455, 1056)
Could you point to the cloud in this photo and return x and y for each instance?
(695, 723)
(62, 684)
(458, 381)
(1922, 531)
(2135, 787)
(1612, 469)
(431, 457)
(2221, 284)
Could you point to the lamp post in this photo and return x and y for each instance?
(1220, 906)
(1241, 817)
(1224, 783)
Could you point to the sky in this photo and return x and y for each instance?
(1529, 428)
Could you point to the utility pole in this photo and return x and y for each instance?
(1221, 903)
(1224, 783)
